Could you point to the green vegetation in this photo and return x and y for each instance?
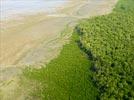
(66, 77)
(109, 42)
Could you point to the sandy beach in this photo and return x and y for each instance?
(36, 39)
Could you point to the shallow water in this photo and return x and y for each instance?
(9, 8)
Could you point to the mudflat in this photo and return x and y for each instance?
(23, 40)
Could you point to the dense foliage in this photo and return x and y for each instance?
(109, 41)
